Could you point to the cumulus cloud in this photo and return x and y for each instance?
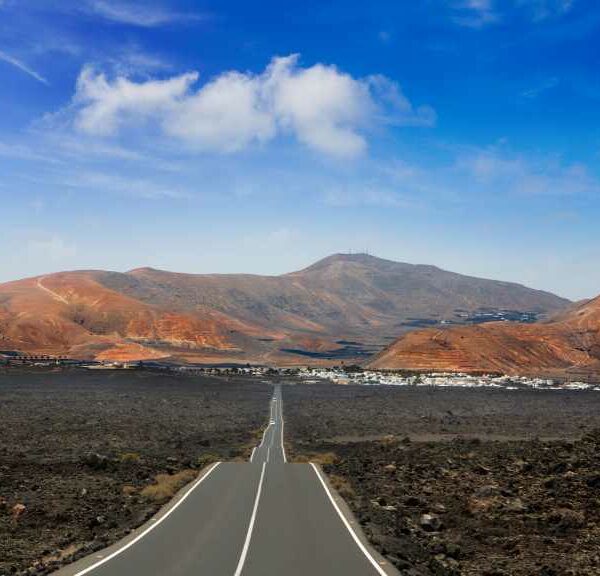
(105, 106)
(226, 115)
(325, 109)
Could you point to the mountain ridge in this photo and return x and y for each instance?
(246, 317)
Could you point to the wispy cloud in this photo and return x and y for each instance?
(134, 187)
(23, 67)
(24, 152)
(543, 9)
(534, 92)
(368, 195)
(132, 60)
(138, 14)
(493, 170)
(475, 13)
(479, 14)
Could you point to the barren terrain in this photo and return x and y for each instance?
(86, 457)
(457, 481)
(568, 346)
(345, 306)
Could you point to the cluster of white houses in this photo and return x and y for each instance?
(459, 380)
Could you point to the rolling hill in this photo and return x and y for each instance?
(566, 346)
(342, 306)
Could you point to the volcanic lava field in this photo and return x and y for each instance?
(443, 481)
(476, 482)
(86, 457)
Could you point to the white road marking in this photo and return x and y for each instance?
(356, 539)
(264, 433)
(152, 527)
(282, 424)
(252, 455)
(242, 559)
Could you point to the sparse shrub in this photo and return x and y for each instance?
(129, 457)
(323, 459)
(206, 460)
(167, 485)
(342, 486)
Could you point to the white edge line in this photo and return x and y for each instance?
(362, 547)
(282, 425)
(152, 527)
(242, 559)
(264, 434)
(252, 455)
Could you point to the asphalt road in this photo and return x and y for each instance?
(261, 518)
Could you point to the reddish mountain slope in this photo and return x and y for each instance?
(149, 313)
(568, 345)
(73, 313)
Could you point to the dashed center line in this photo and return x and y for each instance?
(242, 559)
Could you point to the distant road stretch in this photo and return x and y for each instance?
(261, 518)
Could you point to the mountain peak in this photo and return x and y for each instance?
(144, 270)
(342, 258)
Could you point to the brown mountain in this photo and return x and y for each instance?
(148, 313)
(568, 345)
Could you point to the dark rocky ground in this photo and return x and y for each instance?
(327, 411)
(452, 482)
(78, 450)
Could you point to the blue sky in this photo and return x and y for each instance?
(258, 137)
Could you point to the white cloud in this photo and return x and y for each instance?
(227, 114)
(325, 109)
(322, 106)
(23, 67)
(105, 106)
(137, 13)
